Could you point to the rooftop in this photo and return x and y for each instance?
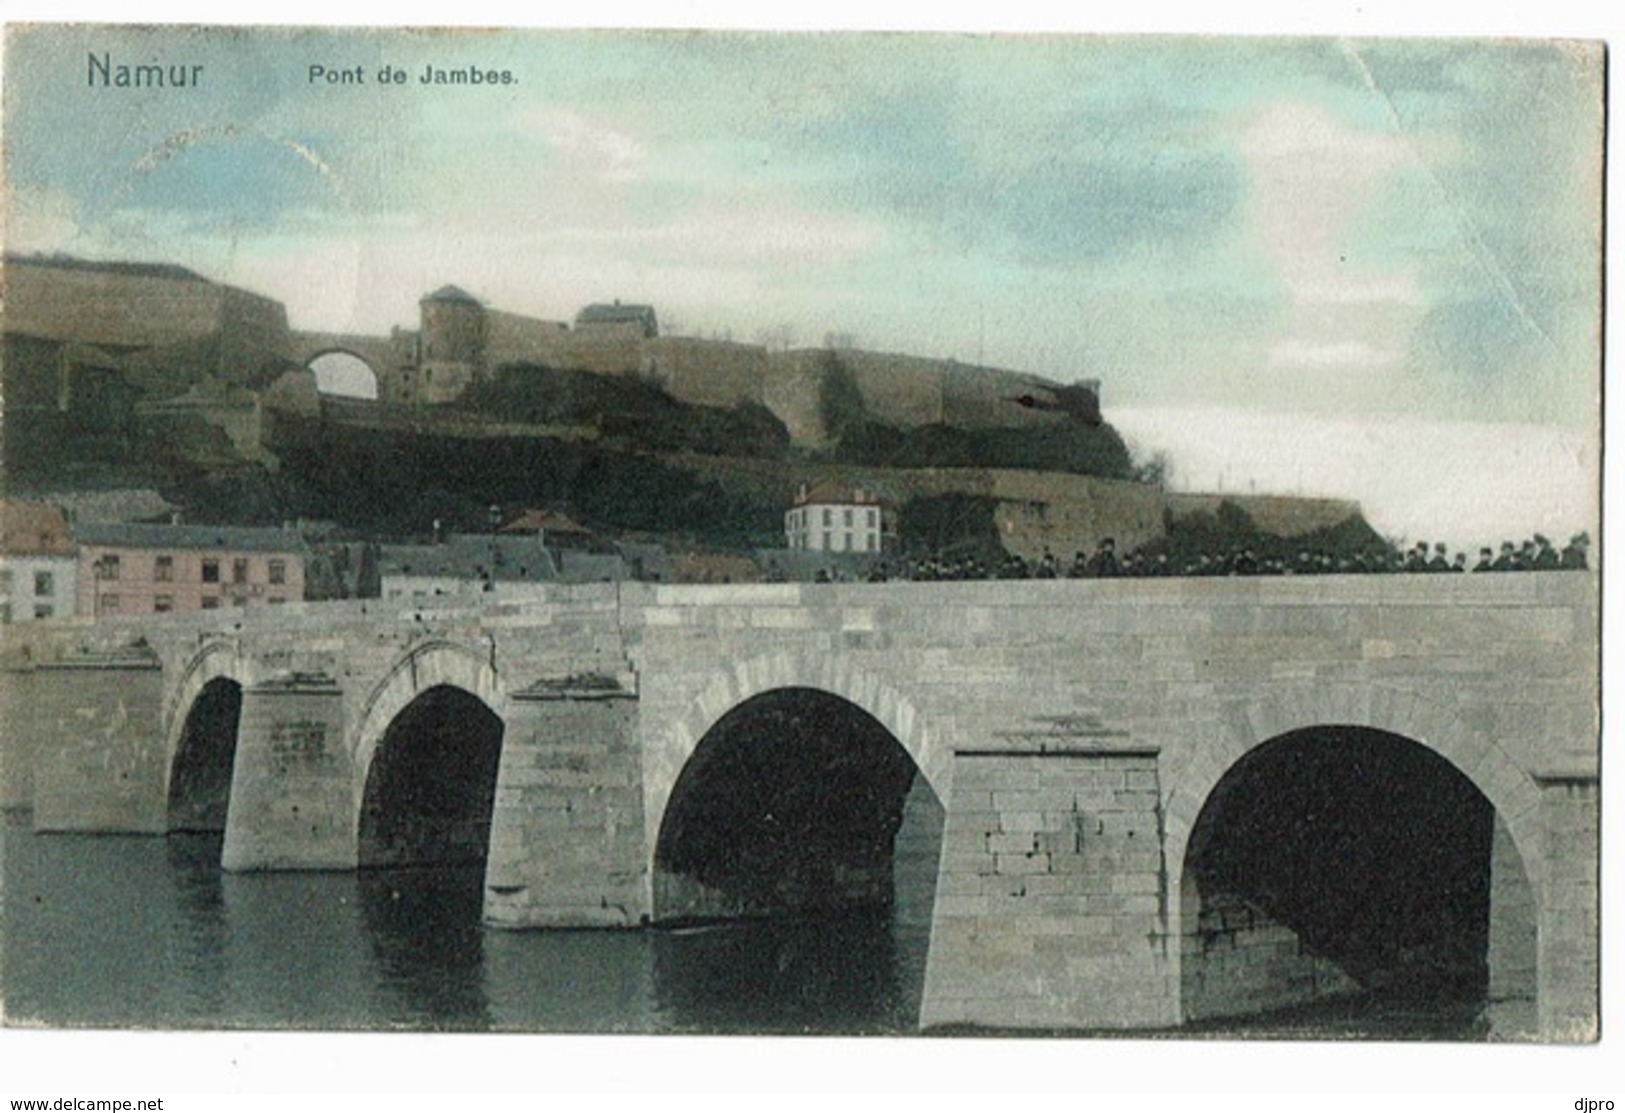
(454, 294)
(140, 270)
(829, 492)
(544, 521)
(134, 535)
(616, 313)
(472, 557)
(33, 529)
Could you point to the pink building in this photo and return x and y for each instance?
(148, 569)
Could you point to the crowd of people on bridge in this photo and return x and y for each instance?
(1535, 554)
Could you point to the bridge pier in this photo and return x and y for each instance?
(94, 739)
(1512, 953)
(1569, 922)
(567, 833)
(1051, 904)
(292, 798)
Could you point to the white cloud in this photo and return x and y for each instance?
(41, 221)
(1311, 180)
(1464, 483)
(594, 148)
(759, 232)
(1352, 355)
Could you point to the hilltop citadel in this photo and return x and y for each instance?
(215, 376)
(105, 328)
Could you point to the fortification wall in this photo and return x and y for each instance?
(793, 390)
(981, 397)
(707, 372)
(201, 327)
(1066, 514)
(605, 352)
(511, 338)
(1036, 510)
(900, 390)
(443, 380)
(253, 336)
(905, 391)
(108, 307)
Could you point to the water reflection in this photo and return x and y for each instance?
(837, 972)
(427, 945)
(115, 931)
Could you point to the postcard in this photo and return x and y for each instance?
(657, 532)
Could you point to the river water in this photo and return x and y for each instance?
(137, 931)
(118, 931)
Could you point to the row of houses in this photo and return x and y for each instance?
(51, 568)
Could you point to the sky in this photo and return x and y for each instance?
(1255, 244)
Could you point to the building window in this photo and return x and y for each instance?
(239, 600)
(872, 522)
(163, 569)
(5, 579)
(829, 516)
(107, 568)
(5, 614)
(277, 571)
(826, 540)
(44, 583)
(211, 572)
(869, 542)
(111, 603)
(211, 602)
(239, 570)
(44, 610)
(276, 600)
(163, 603)
(848, 522)
(848, 546)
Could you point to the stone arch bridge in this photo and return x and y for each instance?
(1150, 802)
(379, 353)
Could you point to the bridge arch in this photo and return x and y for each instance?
(430, 664)
(1482, 797)
(211, 679)
(864, 688)
(430, 791)
(345, 373)
(794, 801)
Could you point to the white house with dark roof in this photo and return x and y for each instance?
(833, 518)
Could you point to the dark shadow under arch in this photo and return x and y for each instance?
(200, 777)
(431, 787)
(1339, 861)
(803, 840)
(792, 801)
